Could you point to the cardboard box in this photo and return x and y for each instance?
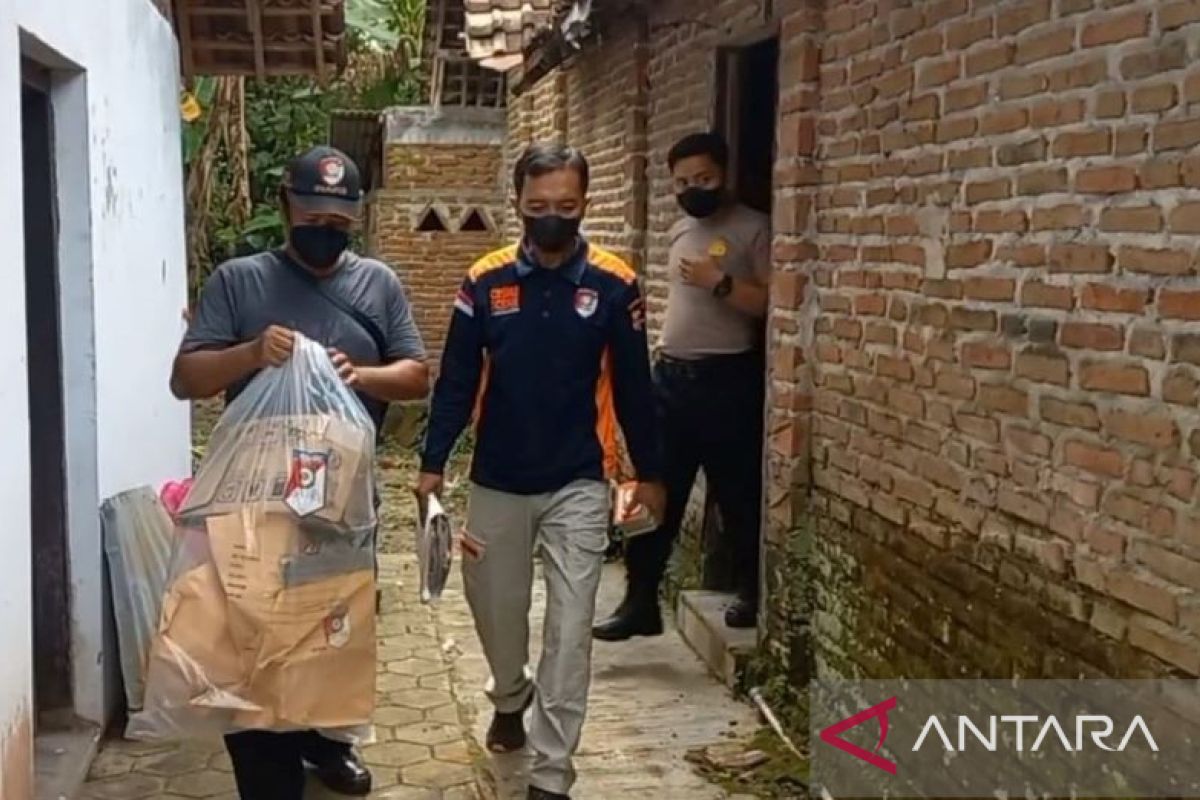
(238, 647)
(303, 466)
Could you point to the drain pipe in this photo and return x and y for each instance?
(757, 696)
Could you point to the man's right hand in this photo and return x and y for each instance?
(274, 346)
(428, 484)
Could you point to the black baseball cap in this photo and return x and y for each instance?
(324, 181)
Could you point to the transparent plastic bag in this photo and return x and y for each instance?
(138, 533)
(268, 619)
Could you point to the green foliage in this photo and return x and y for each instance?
(285, 116)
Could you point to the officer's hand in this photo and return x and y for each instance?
(274, 346)
(652, 497)
(428, 484)
(345, 367)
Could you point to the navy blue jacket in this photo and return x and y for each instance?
(542, 358)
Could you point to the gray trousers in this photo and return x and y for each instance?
(570, 527)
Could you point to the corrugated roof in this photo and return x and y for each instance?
(498, 31)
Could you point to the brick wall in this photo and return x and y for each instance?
(983, 412)
(454, 180)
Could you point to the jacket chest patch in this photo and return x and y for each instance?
(586, 302)
(505, 300)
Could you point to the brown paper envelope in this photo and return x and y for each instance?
(316, 667)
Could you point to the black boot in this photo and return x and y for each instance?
(638, 615)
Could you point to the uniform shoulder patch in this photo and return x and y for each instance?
(611, 264)
(497, 259)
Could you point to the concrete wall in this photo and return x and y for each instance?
(115, 96)
(983, 374)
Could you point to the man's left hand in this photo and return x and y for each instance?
(345, 367)
(705, 273)
(652, 497)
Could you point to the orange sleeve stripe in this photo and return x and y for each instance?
(610, 263)
(606, 419)
(493, 261)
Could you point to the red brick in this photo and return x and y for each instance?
(1131, 140)
(1017, 18)
(1094, 458)
(969, 254)
(1003, 120)
(1156, 173)
(1179, 304)
(1055, 113)
(1155, 262)
(1143, 591)
(964, 98)
(1185, 218)
(1044, 367)
(992, 290)
(1177, 14)
(924, 44)
(962, 35)
(1071, 415)
(1181, 388)
(1001, 222)
(985, 355)
(1043, 181)
(1156, 431)
(1147, 344)
(1043, 295)
(1110, 104)
(1083, 143)
(1106, 180)
(1004, 399)
(1191, 88)
(1132, 219)
(1159, 97)
(953, 130)
(1102, 297)
(1176, 135)
(1080, 258)
(1059, 218)
(1115, 377)
(1000, 189)
(983, 60)
(1093, 336)
(939, 73)
(1121, 28)
(1040, 46)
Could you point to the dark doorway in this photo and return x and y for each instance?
(747, 104)
(47, 454)
(746, 109)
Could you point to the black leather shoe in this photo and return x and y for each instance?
(345, 774)
(741, 613)
(638, 615)
(541, 794)
(507, 731)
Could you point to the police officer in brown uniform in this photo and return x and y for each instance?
(709, 382)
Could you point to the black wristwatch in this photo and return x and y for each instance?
(723, 287)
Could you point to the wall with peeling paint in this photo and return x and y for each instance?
(121, 254)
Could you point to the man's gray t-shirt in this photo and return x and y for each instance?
(245, 296)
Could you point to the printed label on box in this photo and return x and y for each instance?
(307, 482)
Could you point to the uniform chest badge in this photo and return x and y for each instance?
(586, 302)
(505, 300)
(718, 248)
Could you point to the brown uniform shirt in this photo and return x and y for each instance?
(697, 323)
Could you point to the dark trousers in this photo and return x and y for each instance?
(270, 766)
(710, 415)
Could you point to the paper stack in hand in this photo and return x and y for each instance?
(629, 517)
(435, 544)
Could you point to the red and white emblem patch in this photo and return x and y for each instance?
(333, 170)
(586, 302)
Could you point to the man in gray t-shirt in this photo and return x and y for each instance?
(246, 320)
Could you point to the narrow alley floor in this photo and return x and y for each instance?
(652, 701)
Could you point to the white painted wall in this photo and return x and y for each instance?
(123, 283)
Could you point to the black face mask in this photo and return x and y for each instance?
(700, 202)
(552, 233)
(318, 245)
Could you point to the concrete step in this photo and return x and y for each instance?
(700, 616)
(62, 758)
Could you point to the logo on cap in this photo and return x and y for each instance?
(333, 170)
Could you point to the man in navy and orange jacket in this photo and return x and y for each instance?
(547, 350)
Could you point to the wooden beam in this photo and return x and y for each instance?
(441, 24)
(254, 17)
(185, 38)
(319, 40)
